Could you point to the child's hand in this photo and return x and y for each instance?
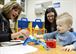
(68, 48)
(39, 36)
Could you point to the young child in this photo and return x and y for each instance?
(62, 35)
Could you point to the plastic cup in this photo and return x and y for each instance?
(51, 43)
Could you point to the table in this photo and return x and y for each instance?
(56, 50)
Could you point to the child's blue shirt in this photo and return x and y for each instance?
(64, 39)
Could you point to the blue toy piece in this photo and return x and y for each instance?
(42, 43)
(32, 39)
(37, 22)
(29, 39)
(23, 23)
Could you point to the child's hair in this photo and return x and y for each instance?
(66, 18)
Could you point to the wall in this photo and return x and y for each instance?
(31, 9)
(68, 6)
(74, 14)
(6, 1)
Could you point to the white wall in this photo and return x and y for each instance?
(6, 1)
(66, 6)
(31, 9)
(74, 14)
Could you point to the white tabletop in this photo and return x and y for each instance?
(17, 49)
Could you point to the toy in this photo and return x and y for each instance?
(51, 43)
(36, 41)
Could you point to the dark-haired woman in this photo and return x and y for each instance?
(50, 19)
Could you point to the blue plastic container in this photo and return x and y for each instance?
(37, 22)
(23, 23)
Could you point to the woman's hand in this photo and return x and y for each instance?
(25, 32)
(16, 35)
(68, 48)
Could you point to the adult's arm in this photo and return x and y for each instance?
(5, 36)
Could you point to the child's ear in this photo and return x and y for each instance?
(69, 27)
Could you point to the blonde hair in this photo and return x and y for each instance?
(9, 6)
(66, 18)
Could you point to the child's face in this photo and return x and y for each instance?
(61, 26)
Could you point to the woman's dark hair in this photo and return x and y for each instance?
(47, 23)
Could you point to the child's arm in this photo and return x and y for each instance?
(72, 46)
(47, 35)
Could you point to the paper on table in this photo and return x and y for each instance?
(18, 49)
(11, 43)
